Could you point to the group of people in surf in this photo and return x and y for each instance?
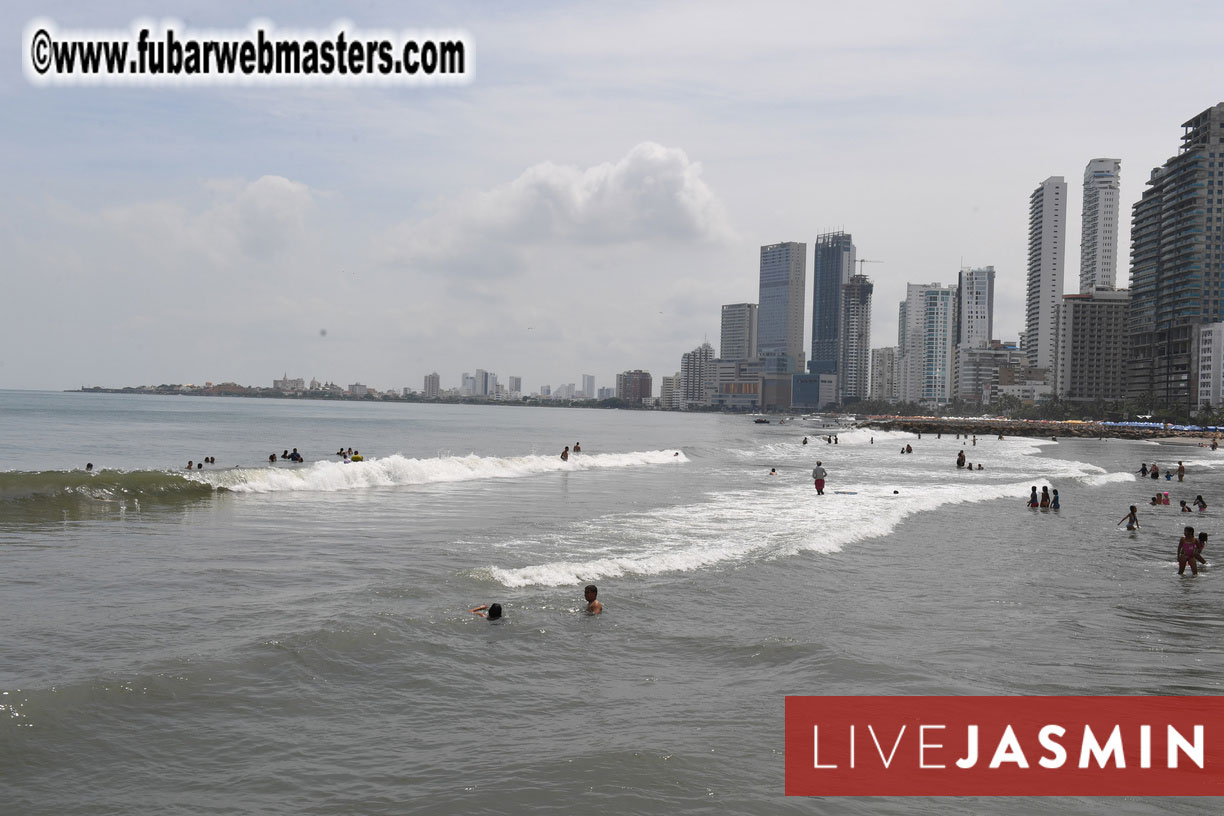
(961, 462)
(493, 612)
(191, 465)
(1189, 547)
(287, 456)
(1045, 501)
(1154, 471)
(349, 455)
(565, 454)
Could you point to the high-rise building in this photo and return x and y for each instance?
(480, 387)
(739, 332)
(696, 376)
(780, 317)
(634, 386)
(670, 391)
(832, 267)
(978, 367)
(975, 307)
(884, 380)
(515, 384)
(432, 387)
(1047, 250)
(926, 362)
(1091, 346)
(1177, 265)
(1099, 233)
(588, 386)
(854, 364)
(1210, 366)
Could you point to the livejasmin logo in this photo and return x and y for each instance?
(1004, 746)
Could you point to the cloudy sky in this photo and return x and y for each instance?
(583, 206)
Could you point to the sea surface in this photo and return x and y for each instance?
(295, 638)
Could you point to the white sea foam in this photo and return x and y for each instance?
(785, 518)
(399, 470)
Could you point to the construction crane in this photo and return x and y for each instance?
(862, 261)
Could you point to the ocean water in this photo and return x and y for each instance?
(294, 639)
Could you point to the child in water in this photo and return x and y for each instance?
(1199, 503)
(1187, 553)
(1032, 500)
(1131, 519)
(1054, 501)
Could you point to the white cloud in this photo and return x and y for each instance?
(652, 194)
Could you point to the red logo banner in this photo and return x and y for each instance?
(1005, 746)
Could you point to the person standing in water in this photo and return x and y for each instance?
(1054, 505)
(1032, 499)
(1181, 471)
(1187, 552)
(818, 476)
(1131, 519)
(591, 593)
(1045, 497)
(565, 454)
(577, 447)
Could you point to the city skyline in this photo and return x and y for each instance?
(577, 207)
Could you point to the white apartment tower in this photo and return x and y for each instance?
(927, 335)
(1099, 238)
(588, 386)
(1047, 251)
(739, 332)
(432, 389)
(975, 307)
(696, 374)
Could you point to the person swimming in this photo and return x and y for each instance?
(494, 611)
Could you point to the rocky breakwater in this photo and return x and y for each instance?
(1023, 427)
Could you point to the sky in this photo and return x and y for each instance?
(583, 205)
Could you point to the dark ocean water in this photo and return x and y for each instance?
(295, 639)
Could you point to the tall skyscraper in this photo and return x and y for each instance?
(854, 363)
(975, 307)
(780, 317)
(588, 386)
(1047, 250)
(832, 267)
(516, 385)
(696, 376)
(1099, 234)
(739, 332)
(1177, 258)
(926, 361)
(432, 387)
